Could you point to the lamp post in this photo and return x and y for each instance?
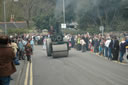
(64, 10)
(5, 24)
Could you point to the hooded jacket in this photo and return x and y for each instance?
(6, 61)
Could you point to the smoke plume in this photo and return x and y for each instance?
(79, 5)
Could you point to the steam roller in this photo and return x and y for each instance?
(57, 49)
(56, 46)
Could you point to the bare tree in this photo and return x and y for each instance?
(26, 6)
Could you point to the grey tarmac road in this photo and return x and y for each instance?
(77, 69)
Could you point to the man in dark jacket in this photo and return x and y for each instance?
(6, 60)
(115, 49)
(122, 49)
(126, 46)
(72, 41)
(86, 40)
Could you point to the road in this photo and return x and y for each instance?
(77, 69)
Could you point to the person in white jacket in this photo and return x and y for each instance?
(107, 43)
(82, 42)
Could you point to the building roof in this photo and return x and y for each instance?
(13, 25)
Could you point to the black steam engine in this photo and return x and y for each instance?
(55, 44)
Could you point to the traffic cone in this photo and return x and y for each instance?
(91, 49)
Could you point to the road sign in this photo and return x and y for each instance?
(63, 26)
(101, 28)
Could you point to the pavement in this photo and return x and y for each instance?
(124, 62)
(16, 77)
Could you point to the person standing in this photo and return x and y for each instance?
(115, 48)
(122, 49)
(82, 42)
(32, 44)
(86, 39)
(21, 49)
(110, 50)
(101, 47)
(28, 50)
(96, 45)
(15, 47)
(107, 47)
(7, 67)
(44, 43)
(72, 41)
(126, 47)
(78, 42)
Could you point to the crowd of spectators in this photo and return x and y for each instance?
(20, 47)
(109, 45)
(13, 49)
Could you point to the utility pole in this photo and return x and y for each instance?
(5, 24)
(64, 10)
